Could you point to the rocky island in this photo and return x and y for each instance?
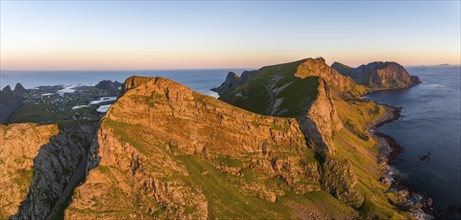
(285, 141)
(379, 75)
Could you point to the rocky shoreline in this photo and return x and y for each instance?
(417, 204)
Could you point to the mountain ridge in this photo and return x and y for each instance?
(379, 75)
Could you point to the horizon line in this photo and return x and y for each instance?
(207, 68)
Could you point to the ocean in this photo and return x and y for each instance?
(431, 125)
(200, 80)
(431, 120)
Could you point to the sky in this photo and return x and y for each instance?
(129, 35)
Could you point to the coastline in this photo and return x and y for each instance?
(413, 202)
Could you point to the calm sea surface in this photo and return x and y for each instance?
(431, 121)
(199, 80)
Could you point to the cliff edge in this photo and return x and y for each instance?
(379, 75)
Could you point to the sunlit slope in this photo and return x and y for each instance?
(334, 121)
(166, 151)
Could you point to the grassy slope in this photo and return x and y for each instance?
(361, 154)
(254, 94)
(223, 190)
(354, 143)
(226, 201)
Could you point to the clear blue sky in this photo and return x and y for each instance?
(153, 34)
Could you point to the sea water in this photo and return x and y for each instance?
(431, 125)
(199, 80)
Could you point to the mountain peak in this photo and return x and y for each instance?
(379, 75)
(156, 82)
(7, 89)
(19, 88)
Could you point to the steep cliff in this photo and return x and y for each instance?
(58, 167)
(234, 80)
(321, 120)
(379, 75)
(163, 150)
(19, 144)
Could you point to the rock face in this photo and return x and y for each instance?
(321, 120)
(10, 100)
(165, 151)
(19, 144)
(58, 167)
(379, 75)
(233, 80)
(342, 86)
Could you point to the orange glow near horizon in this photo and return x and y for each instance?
(123, 35)
(130, 60)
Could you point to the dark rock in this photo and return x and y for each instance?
(10, 101)
(233, 80)
(425, 157)
(19, 89)
(7, 90)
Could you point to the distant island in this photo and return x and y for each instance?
(293, 140)
(379, 75)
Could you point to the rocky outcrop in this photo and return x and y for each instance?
(59, 166)
(166, 151)
(342, 86)
(10, 100)
(233, 80)
(339, 179)
(321, 121)
(19, 144)
(379, 75)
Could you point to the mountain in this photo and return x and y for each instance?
(379, 75)
(10, 100)
(332, 117)
(170, 152)
(165, 151)
(286, 89)
(109, 86)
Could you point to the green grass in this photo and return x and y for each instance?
(298, 96)
(24, 177)
(362, 156)
(255, 94)
(128, 133)
(229, 162)
(223, 195)
(40, 113)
